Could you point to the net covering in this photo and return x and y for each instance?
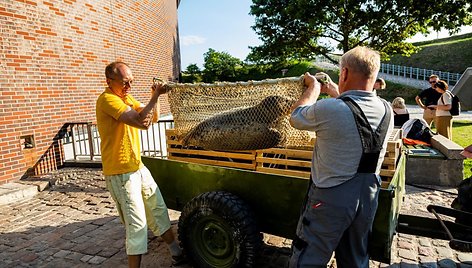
(237, 116)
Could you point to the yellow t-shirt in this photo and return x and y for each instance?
(120, 146)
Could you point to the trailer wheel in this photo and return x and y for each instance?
(217, 229)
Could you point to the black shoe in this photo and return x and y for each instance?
(179, 260)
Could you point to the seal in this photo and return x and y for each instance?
(249, 128)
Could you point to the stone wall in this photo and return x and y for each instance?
(443, 171)
(52, 60)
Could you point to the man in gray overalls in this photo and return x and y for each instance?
(351, 130)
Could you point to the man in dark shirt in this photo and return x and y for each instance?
(428, 97)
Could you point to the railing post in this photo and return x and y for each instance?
(73, 141)
(90, 140)
(161, 150)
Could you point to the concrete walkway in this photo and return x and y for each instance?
(416, 112)
(74, 224)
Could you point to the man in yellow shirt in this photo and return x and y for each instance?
(138, 199)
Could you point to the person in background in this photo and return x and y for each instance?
(138, 199)
(400, 112)
(380, 84)
(443, 118)
(427, 99)
(351, 138)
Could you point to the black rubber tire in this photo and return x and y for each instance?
(217, 229)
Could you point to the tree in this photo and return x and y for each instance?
(305, 28)
(192, 74)
(193, 69)
(220, 66)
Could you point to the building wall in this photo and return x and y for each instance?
(52, 59)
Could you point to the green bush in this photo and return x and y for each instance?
(190, 78)
(394, 90)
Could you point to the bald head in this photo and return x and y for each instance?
(119, 78)
(113, 70)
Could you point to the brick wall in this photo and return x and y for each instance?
(52, 59)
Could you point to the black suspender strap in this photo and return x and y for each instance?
(371, 141)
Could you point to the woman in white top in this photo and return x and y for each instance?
(443, 119)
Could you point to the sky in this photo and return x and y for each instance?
(225, 26)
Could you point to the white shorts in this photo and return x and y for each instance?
(140, 205)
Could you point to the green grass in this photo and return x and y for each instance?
(451, 54)
(461, 135)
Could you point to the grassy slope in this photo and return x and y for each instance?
(453, 54)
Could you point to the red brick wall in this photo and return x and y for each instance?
(52, 59)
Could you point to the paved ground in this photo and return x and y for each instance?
(416, 112)
(74, 224)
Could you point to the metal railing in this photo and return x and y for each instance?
(84, 140)
(418, 73)
(153, 140)
(409, 72)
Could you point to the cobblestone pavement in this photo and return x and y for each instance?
(74, 224)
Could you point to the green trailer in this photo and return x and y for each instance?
(228, 198)
(224, 210)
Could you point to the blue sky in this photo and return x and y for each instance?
(225, 25)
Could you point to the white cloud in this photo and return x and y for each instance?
(189, 40)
